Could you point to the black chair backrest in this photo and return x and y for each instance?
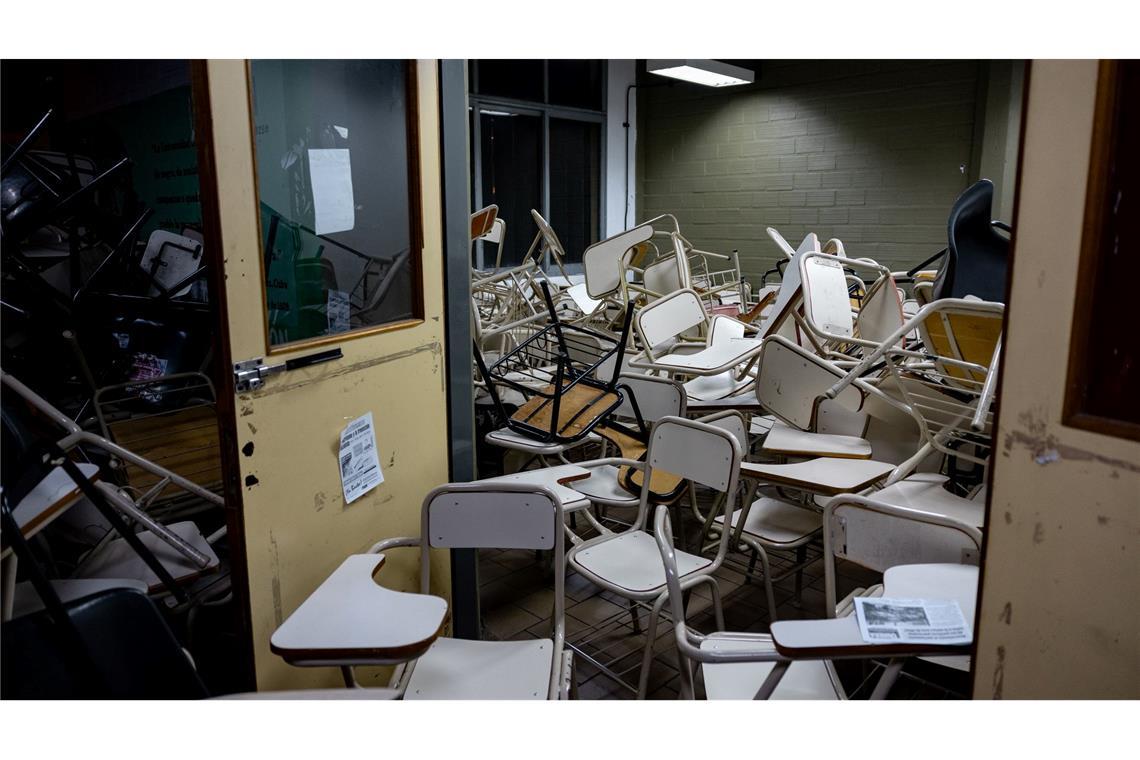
(128, 652)
(977, 259)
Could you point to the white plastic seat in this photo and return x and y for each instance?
(465, 669)
(50, 498)
(777, 522)
(630, 561)
(806, 679)
(785, 440)
(116, 559)
(557, 479)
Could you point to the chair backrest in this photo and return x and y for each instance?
(697, 452)
(601, 262)
(482, 221)
(826, 301)
(669, 317)
(881, 312)
(549, 237)
(978, 255)
(664, 275)
(493, 516)
(791, 294)
(878, 536)
(791, 382)
(656, 397)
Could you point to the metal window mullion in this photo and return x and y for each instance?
(546, 179)
(477, 169)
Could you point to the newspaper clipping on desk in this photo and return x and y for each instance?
(911, 621)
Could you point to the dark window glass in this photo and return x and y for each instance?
(576, 83)
(338, 212)
(575, 183)
(512, 175)
(521, 79)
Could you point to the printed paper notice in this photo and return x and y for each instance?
(359, 464)
(338, 312)
(331, 175)
(911, 621)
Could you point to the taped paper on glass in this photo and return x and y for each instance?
(911, 621)
(359, 464)
(330, 173)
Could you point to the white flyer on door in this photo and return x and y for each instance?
(911, 621)
(330, 173)
(359, 464)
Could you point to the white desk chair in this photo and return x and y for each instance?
(734, 665)
(404, 627)
(627, 563)
(719, 368)
(653, 398)
(877, 535)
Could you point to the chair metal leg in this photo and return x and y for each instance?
(349, 677)
(718, 609)
(768, 592)
(647, 656)
(801, 557)
(634, 619)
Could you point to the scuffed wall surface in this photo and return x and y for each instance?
(1060, 606)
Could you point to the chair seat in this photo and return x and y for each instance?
(722, 354)
(509, 439)
(786, 440)
(631, 561)
(826, 476)
(603, 487)
(805, 679)
(714, 387)
(464, 669)
(777, 522)
(926, 494)
(117, 559)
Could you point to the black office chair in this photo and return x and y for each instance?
(111, 645)
(977, 257)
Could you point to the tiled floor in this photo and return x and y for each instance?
(517, 602)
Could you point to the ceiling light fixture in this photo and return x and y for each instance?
(710, 73)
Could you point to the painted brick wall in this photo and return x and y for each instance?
(869, 152)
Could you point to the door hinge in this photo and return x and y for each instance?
(249, 375)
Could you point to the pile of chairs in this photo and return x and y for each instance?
(825, 420)
(845, 414)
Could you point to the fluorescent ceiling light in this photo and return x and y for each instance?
(495, 113)
(711, 73)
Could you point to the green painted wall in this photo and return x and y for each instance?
(870, 152)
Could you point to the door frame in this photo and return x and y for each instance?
(223, 378)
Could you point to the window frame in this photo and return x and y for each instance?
(415, 220)
(546, 111)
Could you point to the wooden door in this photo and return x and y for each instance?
(295, 524)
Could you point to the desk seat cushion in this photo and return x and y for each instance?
(464, 669)
(632, 561)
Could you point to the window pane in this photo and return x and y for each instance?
(512, 176)
(521, 79)
(576, 83)
(333, 158)
(575, 183)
